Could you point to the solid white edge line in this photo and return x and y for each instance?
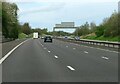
(107, 50)
(97, 48)
(6, 56)
(71, 68)
(100, 49)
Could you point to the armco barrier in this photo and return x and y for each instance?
(95, 42)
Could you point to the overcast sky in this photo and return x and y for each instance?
(47, 13)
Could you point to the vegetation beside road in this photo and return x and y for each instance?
(11, 26)
(102, 38)
(108, 30)
(22, 35)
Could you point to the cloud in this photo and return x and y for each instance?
(49, 8)
(47, 14)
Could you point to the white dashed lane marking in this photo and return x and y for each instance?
(42, 45)
(49, 51)
(106, 58)
(44, 48)
(66, 46)
(74, 48)
(56, 57)
(71, 68)
(85, 52)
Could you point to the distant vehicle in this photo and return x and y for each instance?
(66, 37)
(47, 39)
(35, 35)
(42, 37)
(77, 38)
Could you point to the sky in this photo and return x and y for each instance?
(47, 13)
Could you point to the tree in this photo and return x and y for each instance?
(112, 26)
(26, 29)
(83, 30)
(9, 20)
(100, 30)
(118, 24)
(61, 33)
(92, 27)
(44, 31)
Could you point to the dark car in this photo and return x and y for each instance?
(47, 39)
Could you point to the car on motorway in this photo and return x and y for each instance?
(77, 38)
(48, 39)
(42, 37)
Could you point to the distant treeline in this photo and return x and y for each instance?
(110, 27)
(11, 27)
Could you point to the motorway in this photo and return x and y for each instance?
(36, 61)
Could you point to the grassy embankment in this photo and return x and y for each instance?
(102, 38)
(22, 36)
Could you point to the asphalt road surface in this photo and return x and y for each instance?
(7, 46)
(36, 61)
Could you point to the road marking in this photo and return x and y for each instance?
(67, 46)
(45, 48)
(85, 52)
(76, 44)
(108, 50)
(100, 49)
(71, 68)
(9, 53)
(49, 51)
(97, 48)
(41, 44)
(74, 48)
(105, 58)
(56, 56)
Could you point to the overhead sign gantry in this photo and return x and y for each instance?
(65, 25)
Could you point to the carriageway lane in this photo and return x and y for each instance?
(90, 66)
(31, 63)
(94, 52)
(35, 61)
